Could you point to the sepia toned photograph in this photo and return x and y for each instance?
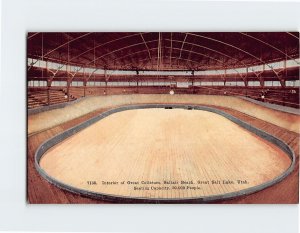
(163, 117)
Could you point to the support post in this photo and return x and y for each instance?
(246, 78)
(68, 90)
(48, 91)
(84, 82)
(84, 87)
(285, 73)
(225, 72)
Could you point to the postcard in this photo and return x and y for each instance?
(163, 117)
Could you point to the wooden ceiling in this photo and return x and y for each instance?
(163, 51)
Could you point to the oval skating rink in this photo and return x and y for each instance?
(164, 154)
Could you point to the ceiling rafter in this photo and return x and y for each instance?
(293, 35)
(107, 43)
(119, 49)
(234, 49)
(146, 46)
(182, 44)
(213, 50)
(242, 50)
(201, 54)
(33, 35)
(143, 51)
(136, 44)
(183, 59)
(189, 56)
(67, 43)
(269, 45)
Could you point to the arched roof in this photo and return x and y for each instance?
(165, 50)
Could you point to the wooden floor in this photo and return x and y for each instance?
(163, 153)
(40, 191)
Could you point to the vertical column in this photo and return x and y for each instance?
(48, 91)
(246, 82)
(137, 81)
(68, 82)
(246, 78)
(261, 79)
(285, 73)
(283, 78)
(84, 82)
(105, 90)
(225, 72)
(68, 90)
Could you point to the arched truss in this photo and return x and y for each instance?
(96, 46)
(145, 43)
(66, 43)
(291, 34)
(237, 48)
(137, 41)
(150, 60)
(269, 45)
(174, 48)
(181, 49)
(184, 42)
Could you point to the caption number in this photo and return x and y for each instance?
(91, 182)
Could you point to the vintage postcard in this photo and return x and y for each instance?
(163, 117)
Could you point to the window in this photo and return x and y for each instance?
(230, 83)
(253, 83)
(143, 83)
(132, 83)
(276, 84)
(268, 83)
(293, 63)
(206, 83)
(218, 83)
(292, 83)
(34, 83)
(274, 65)
(90, 83)
(92, 71)
(77, 84)
(37, 83)
(59, 83)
